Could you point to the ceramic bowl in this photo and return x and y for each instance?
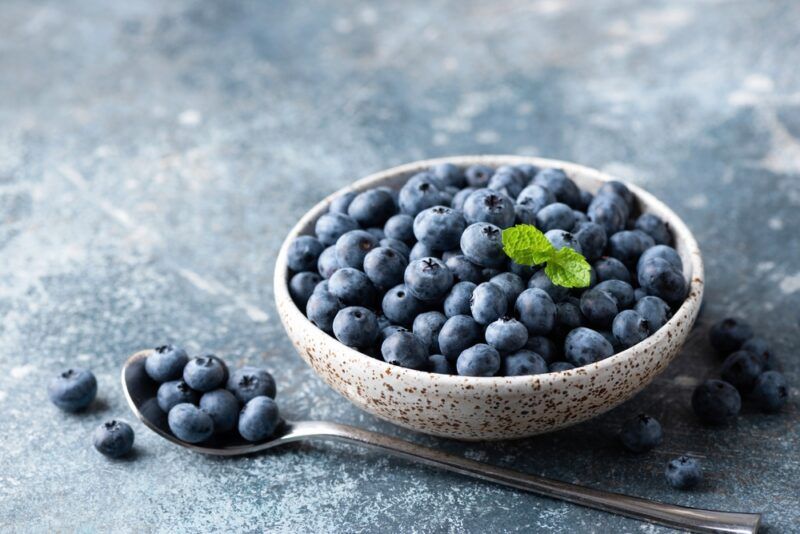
(490, 408)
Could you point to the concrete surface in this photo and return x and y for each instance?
(154, 154)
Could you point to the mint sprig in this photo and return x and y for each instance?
(527, 245)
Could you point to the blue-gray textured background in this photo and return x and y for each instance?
(154, 154)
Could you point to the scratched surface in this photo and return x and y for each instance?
(154, 154)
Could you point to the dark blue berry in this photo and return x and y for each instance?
(560, 185)
(558, 367)
(428, 279)
(377, 233)
(654, 310)
(397, 246)
(463, 270)
(537, 311)
(458, 333)
(259, 419)
(659, 278)
(427, 327)
(716, 402)
(544, 347)
(73, 390)
(353, 246)
(506, 334)
(621, 291)
(113, 438)
(457, 302)
(342, 202)
(592, 238)
(175, 392)
(352, 287)
(250, 382)
(568, 318)
(618, 188)
(556, 216)
(438, 364)
(627, 246)
(770, 391)
(478, 360)
(741, 369)
(507, 182)
(611, 269)
(729, 335)
(449, 174)
(535, 197)
(400, 227)
(478, 175)
(510, 284)
(189, 423)
(327, 264)
(331, 226)
(482, 244)
(653, 226)
(760, 347)
(422, 191)
(301, 286)
(684, 473)
(321, 309)
(205, 373)
(608, 213)
(460, 198)
(385, 267)
(165, 363)
(488, 303)
(420, 251)
(372, 208)
(485, 205)
(400, 306)
(664, 252)
(523, 362)
(439, 227)
(223, 408)
(540, 280)
(641, 433)
(303, 253)
(584, 346)
(599, 307)
(356, 326)
(406, 350)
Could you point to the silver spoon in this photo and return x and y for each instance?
(140, 391)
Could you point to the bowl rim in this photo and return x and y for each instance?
(687, 311)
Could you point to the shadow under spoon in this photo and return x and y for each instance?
(140, 391)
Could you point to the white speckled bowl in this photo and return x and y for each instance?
(478, 408)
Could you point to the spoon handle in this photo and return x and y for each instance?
(664, 514)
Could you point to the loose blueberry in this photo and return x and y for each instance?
(770, 391)
(331, 226)
(113, 438)
(406, 350)
(427, 327)
(523, 362)
(165, 363)
(729, 335)
(205, 373)
(641, 433)
(356, 326)
(250, 382)
(741, 369)
(352, 287)
(716, 402)
(487, 206)
(223, 408)
(760, 347)
(259, 419)
(478, 360)
(73, 390)
(428, 279)
(175, 392)
(385, 267)
(400, 306)
(458, 333)
(372, 208)
(189, 423)
(460, 198)
(584, 346)
(536, 311)
(303, 253)
(353, 246)
(439, 227)
(683, 473)
(506, 334)
(655, 311)
(389, 330)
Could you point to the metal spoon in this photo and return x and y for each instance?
(140, 391)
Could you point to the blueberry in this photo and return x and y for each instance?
(457, 302)
(524, 214)
(390, 330)
(303, 253)
(618, 188)
(561, 238)
(641, 433)
(506, 182)
(568, 318)
(427, 326)
(683, 473)
(488, 303)
(400, 227)
(478, 175)
(342, 202)
(463, 270)
(73, 390)
(428, 279)
(438, 364)
(716, 402)
(506, 334)
(250, 382)
(770, 392)
(353, 246)
(205, 373)
(584, 346)
(639, 294)
(223, 408)
(327, 264)
(621, 291)
(458, 333)
(449, 174)
(580, 218)
(558, 367)
(356, 327)
(420, 251)
(528, 170)
(586, 199)
(611, 269)
(523, 362)
(540, 280)
(461, 197)
(482, 244)
(556, 216)
(478, 360)
(560, 185)
(331, 226)
(543, 346)
(301, 286)
(321, 309)
(175, 392)
(439, 227)
(400, 306)
(592, 238)
(189, 423)
(741, 369)
(165, 363)
(396, 245)
(628, 245)
(258, 419)
(377, 233)
(113, 438)
(729, 335)
(510, 284)
(485, 205)
(653, 226)
(422, 191)
(523, 271)
(599, 307)
(352, 287)
(372, 208)
(665, 253)
(384, 267)
(659, 278)
(488, 273)
(535, 197)
(608, 213)
(536, 310)
(394, 193)
(760, 347)
(655, 311)
(406, 350)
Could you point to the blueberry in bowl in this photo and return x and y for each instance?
(547, 293)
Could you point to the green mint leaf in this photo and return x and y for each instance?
(567, 268)
(526, 245)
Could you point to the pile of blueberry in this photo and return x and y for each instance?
(419, 277)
